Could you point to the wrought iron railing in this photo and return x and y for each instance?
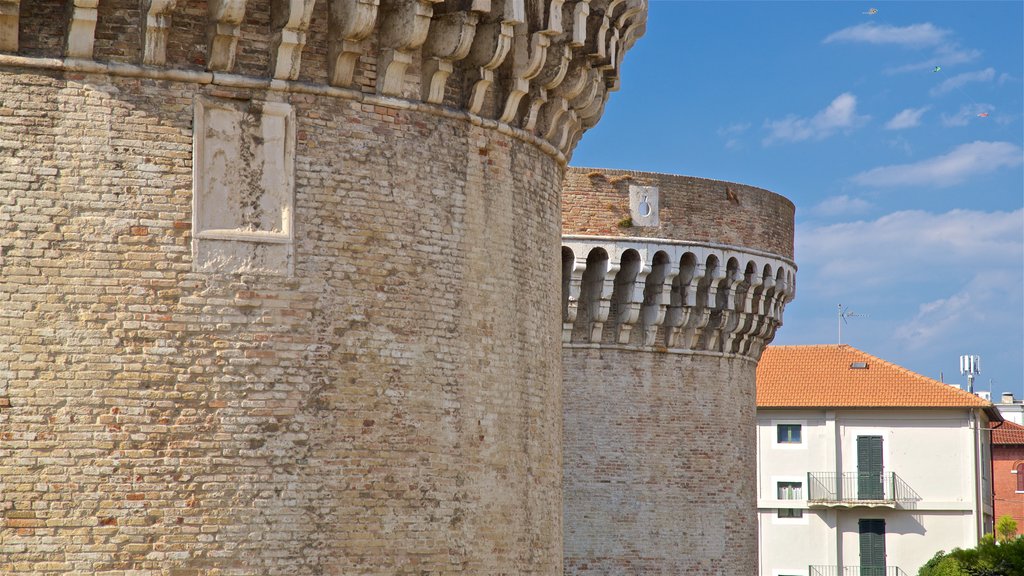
(858, 487)
(856, 571)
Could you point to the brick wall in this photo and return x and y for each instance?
(659, 454)
(596, 202)
(1006, 457)
(391, 408)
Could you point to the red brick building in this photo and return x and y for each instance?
(1008, 471)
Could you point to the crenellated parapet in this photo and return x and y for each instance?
(672, 296)
(541, 67)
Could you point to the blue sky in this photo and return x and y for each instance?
(910, 207)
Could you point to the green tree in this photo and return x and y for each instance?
(1006, 528)
(986, 559)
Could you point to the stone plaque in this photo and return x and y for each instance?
(243, 186)
(643, 205)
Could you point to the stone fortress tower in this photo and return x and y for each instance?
(671, 288)
(277, 281)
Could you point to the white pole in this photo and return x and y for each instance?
(839, 322)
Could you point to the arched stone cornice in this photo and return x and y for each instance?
(545, 68)
(673, 296)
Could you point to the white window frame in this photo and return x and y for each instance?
(789, 445)
(798, 504)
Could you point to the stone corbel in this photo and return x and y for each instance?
(554, 17)
(155, 29)
(598, 41)
(403, 30)
(10, 11)
(580, 13)
(630, 312)
(225, 28)
(527, 63)
(555, 69)
(82, 29)
(572, 306)
(574, 82)
(655, 315)
(291, 19)
(349, 24)
(749, 317)
(491, 45)
(731, 317)
(599, 309)
(449, 40)
(694, 330)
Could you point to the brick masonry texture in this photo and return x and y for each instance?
(1008, 502)
(392, 408)
(596, 202)
(658, 452)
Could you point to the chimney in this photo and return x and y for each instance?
(1007, 398)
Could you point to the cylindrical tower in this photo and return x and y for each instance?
(671, 288)
(276, 294)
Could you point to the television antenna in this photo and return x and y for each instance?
(843, 315)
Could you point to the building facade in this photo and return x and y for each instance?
(278, 281)
(864, 464)
(1008, 471)
(671, 288)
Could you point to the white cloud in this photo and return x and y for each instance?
(954, 82)
(933, 319)
(731, 134)
(945, 55)
(963, 162)
(844, 204)
(980, 303)
(840, 114)
(965, 115)
(901, 246)
(915, 35)
(908, 118)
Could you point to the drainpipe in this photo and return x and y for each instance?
(979, 515)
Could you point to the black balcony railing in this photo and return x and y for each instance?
(856, 571)
(854, 487)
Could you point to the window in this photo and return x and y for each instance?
(1020, 477)
(790, 491)
(789, 433)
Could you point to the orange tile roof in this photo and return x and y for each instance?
(1008, 433)
(821, 376)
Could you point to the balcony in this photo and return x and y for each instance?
(856, 571)
(858, 489)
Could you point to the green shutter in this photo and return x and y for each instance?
(869, 468)
(872, 547)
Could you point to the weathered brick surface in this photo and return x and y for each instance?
(1008, 502)
(391, 408)
(658, 453)
(596, 202)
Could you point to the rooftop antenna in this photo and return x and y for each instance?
(971, 366)
(843, 315)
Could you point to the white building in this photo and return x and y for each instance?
(865, 468)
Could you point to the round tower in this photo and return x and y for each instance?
(274, 296)
(671, 288)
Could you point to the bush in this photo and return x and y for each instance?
(987, 559)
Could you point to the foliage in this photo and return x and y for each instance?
(987, 559)
(1006, 528)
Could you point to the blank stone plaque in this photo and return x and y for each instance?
(243, 186)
